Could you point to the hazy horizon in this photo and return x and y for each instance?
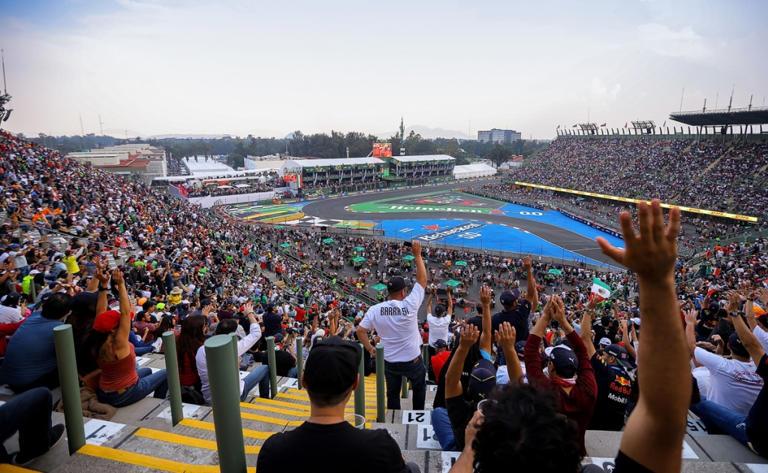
(171, 67)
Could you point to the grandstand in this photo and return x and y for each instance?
(181, 264)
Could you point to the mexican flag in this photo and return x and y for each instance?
(600, 290)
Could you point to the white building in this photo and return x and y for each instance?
(473, 171)
(133, 159)
(496, 135)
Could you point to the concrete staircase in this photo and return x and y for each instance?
(141, 438)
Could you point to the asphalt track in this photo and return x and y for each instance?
(335, 208)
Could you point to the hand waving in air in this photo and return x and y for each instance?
(469, 336)
(653, 252)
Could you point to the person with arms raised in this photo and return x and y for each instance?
(121, 383)
(519, 429)
(396, 322)
(570, 373)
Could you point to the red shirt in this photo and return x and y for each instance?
(437, 363)
(188, 375)
(300, 313)
(580, 402)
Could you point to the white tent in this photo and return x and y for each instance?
(470, 171)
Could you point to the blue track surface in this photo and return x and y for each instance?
(555, 218)
(483, 235)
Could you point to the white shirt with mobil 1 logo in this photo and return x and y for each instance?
(396, 322)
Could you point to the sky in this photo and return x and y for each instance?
(156, 67)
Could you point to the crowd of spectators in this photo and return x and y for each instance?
(266, 183)
(91, 249)
(709, 174)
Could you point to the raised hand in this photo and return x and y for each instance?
(557, 309)
(653, 252)
(117, 277)
(690, 316)
(102, 275)
(527, 263)
(485, 295)
(734, 301)
(469, 336)
(416, 247)
(506, 335)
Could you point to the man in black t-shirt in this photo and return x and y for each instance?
(326, 441)
(614, 388)
(516, 311)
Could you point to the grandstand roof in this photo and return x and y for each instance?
(309, 163)
(735, 116)
(425, 157)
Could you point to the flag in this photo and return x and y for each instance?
(600, 290)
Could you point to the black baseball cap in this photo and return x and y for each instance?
(332, 366)
(565, 361)
(395, 284)
(440, 343)
(482, 379)
(620, 353)
(507, 298)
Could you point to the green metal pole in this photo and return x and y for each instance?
(272, 367)
(33, 290)
(234, 352)
(225, 397)
(299, 359)
(360, 390)
(172, 374)
(404, 388)
(70, 386)
(380, 394)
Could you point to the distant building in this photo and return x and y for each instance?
(308, 174)
(419, 169)
(497, 135)
(135, 159)
(272, 162)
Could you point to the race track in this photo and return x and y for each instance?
(550, 226)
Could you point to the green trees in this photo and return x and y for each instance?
(316, 145)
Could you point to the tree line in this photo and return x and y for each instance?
(316, 145)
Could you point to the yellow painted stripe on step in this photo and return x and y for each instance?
(186, 440)
(304, 397)
(277, 402)
(8, 468)
(146, 461)
(295, 412)
(271, 420)
(292, 411)
(291, 404)
(209, 426)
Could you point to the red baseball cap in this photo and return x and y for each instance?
(106, 321)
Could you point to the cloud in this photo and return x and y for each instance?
(683, 43)
(601, 92)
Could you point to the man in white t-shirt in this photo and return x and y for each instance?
(396, 322)
(440, 320)
(734, 383)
